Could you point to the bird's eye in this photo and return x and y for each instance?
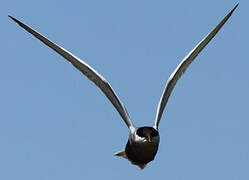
(140, 133)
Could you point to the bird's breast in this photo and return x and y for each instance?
(141, 152)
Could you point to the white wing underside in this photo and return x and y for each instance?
(181, 68)
(88, 71)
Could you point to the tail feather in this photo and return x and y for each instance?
(142, 166)
(121, 154)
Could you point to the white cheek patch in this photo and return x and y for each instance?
(139, 139)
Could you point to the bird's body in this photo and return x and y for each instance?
(141, 151)
(143, 142)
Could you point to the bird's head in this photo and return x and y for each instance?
(149, 133)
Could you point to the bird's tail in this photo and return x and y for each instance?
(121, 154)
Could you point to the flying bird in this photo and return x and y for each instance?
(143, 142)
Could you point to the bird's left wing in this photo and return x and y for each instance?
(88, 71)
(181, 68)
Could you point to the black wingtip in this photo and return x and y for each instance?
(14, 19)
(18, 22)
(235, 7)
(231, 12)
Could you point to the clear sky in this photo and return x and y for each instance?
(56, 125)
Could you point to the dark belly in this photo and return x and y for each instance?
(141, 153)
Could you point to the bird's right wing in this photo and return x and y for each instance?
(181, 68)
(88, 71)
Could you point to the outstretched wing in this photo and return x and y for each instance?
(181, 68)
(88, 71)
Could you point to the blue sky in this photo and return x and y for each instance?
(55, 124)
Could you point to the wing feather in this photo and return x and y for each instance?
(181, 68)
(88, 71)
